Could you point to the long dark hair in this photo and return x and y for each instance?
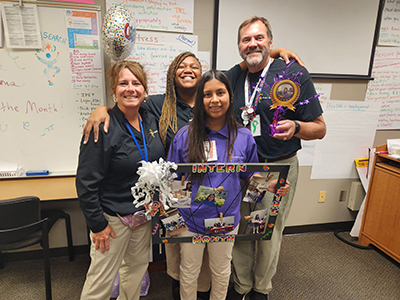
(197, 128)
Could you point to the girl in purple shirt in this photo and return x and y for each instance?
(214, 127)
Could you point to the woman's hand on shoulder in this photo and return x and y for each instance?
(98, 116)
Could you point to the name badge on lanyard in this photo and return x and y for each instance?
(210, 149)
(252, 99)
(255, 126)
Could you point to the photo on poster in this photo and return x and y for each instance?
(210, 196)
(218, 226)
(256, 190)
(182, 192)
(174, 223)
(256, 221)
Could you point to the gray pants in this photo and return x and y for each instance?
(258, 276)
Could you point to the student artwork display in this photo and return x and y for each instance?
(158, 178)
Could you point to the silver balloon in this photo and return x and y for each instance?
(118, 33)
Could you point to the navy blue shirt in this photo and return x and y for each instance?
(267, 146)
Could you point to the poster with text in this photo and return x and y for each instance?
(84, 49)
(160, 15)
(385, 88)
(389, 34)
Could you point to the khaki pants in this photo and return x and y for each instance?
(173, 256)
(219, 255)
(258, 276)
(128, 254)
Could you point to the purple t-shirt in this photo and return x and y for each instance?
(244, 151)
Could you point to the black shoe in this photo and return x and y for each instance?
(176, 290)
(233, 295)
(203, 295)
(258, 296)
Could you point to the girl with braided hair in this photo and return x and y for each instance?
(174, 108)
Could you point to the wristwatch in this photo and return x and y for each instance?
(297, 127)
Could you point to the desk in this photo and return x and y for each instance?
(46, 188)
(381, 220)
(50, 189)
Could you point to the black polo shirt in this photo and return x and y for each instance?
(184, 113)
(108, 169)
(267, 146)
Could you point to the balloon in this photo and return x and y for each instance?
(119, 33)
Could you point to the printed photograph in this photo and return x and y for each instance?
(210, 196)
(216, 226)
(174, 223)
(256, 190)
(182, 192)
(285, 91)
(256, 221)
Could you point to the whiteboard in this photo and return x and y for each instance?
(331, 37)
(41, 113)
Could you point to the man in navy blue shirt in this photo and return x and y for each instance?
(305, 122)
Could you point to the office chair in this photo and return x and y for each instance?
(53, 216)
(21, 226)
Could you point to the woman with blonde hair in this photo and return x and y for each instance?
(120, 233)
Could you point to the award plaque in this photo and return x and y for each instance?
(285, 93)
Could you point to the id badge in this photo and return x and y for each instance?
(210, 149)
(255, 126)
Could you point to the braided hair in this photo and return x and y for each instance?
(168, 113)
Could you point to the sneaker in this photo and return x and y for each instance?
(233, 295)
(258, 296)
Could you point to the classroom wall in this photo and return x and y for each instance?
(305, 210)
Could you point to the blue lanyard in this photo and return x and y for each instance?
(136, 142)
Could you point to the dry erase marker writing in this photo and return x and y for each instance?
(37, 173)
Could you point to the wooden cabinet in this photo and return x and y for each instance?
(381, 220)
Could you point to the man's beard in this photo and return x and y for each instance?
(255, 60)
